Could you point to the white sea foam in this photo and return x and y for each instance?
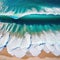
(35, 50)
(20, 52)
(4, 40)
(26, 41)
(46, 49)
(35, 39)
(47, 41)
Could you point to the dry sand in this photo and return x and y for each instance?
(43, 56)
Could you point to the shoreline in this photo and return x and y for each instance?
(43, 56)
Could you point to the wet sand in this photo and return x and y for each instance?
(43, 56)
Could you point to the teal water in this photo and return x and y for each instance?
(21, 6)
(29, 23)
(32, 29)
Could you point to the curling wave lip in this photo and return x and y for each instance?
(43, 12)
(22, 8)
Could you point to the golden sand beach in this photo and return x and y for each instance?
(43, 56)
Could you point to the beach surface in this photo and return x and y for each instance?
(43, 56)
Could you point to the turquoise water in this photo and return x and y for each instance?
(29, 23)
(17, 7)
(32, 29)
